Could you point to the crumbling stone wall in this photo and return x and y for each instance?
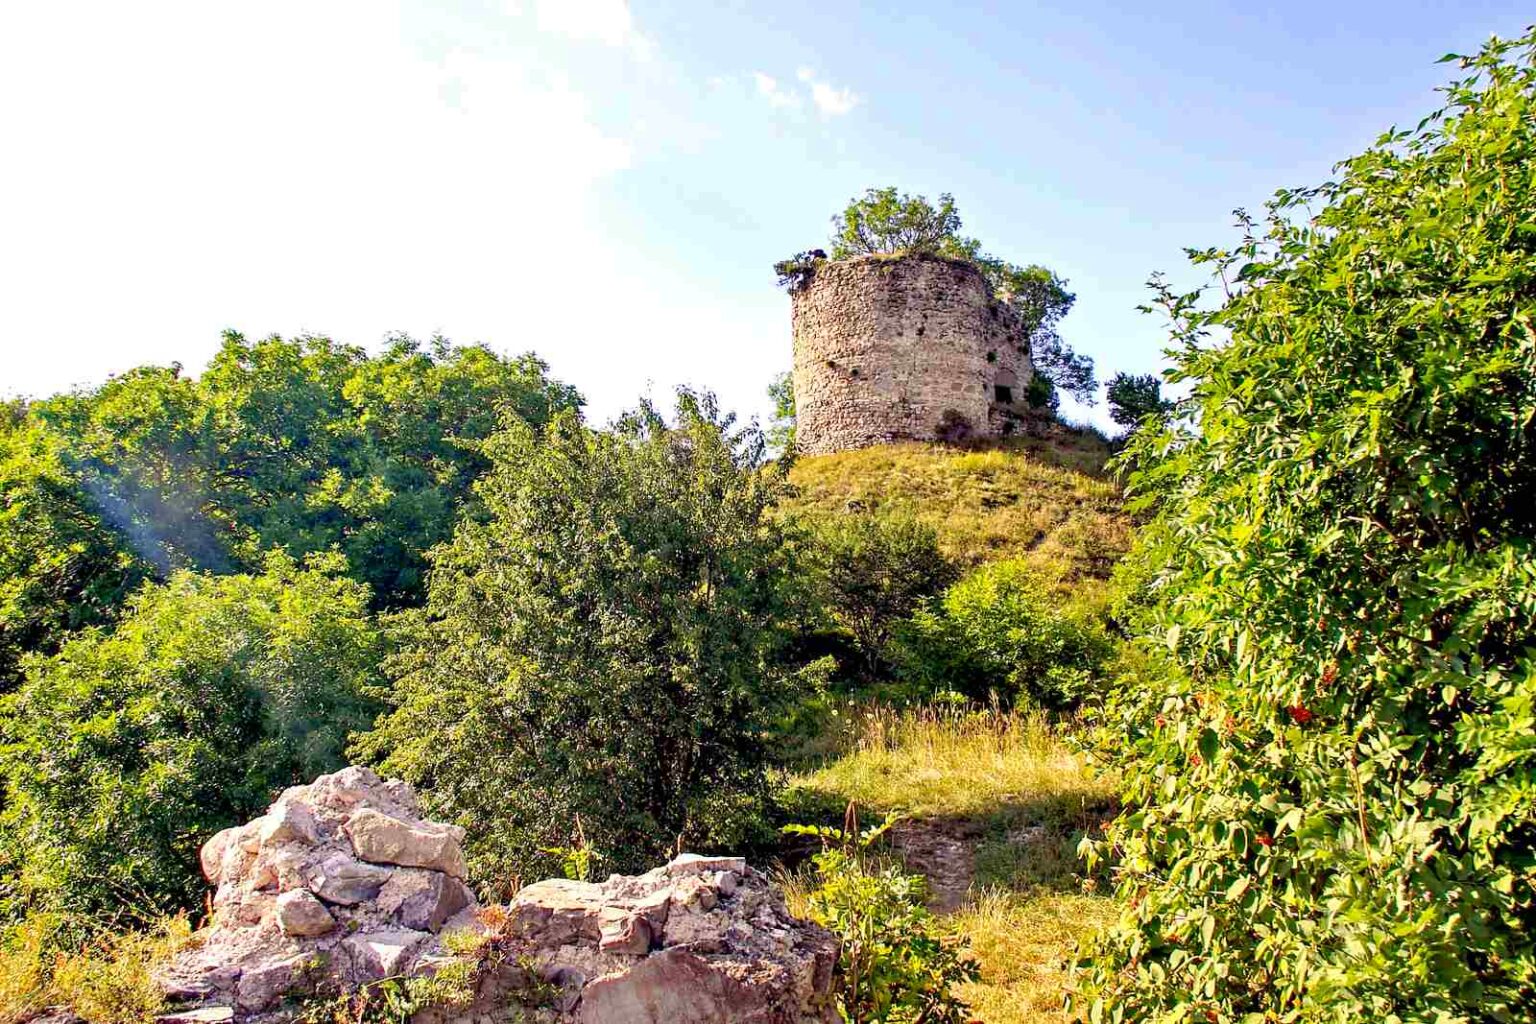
(904, 348)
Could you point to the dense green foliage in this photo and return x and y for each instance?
(884, 221)
(604, 643)
(893, 966)
(781, 431)
(1009, 631)
(1332, 776)
(303, 445)
(123, 752)
(1133, 397)
(873, 570)
(62, 567)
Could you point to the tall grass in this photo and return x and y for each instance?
(104, 978)
(1043, 500)
(1012, 783)
(1025, 944)
(943, 763)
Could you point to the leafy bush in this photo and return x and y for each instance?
(1331, 774)
(1010, 630)
(130, 747)
(797, 271)
(605, 642)
(781, 431)
(874, 569)
(1135, 397)
(887, 222)
(893, 964)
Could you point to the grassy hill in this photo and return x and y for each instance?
(995, 801)
(1047, 499)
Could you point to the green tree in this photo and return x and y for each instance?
(322, 447)
(303, 444)
(781, 432)
(1331, 773)
(1135, 397)
(61, 566)
(888, 222)
(124, 752)
(605, 643)
(874, 570)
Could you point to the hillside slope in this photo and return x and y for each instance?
(995, 802)
(1048, 499)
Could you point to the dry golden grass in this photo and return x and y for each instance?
(1044, 501)
(1024, 943)
(934, 763)
(1012, 782)
(105, 980)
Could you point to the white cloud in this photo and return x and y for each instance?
(604, 21)
(829, 100)
(778, 97)
(175, 183)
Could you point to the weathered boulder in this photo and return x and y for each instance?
(703, 940)
(301, 902)
(342, 883)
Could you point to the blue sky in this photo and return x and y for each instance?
(608, 183)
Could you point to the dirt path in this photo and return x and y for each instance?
(944, 853)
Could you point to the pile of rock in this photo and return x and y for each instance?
(343, 883)
(703, 939)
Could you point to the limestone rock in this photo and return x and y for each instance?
(342, 883)
(385, 840)
(289, 821)
(342, 880)
(201, 1015)
(423, 900)
(383, 954)
(702, 940)
(296, 909)
(300, 914)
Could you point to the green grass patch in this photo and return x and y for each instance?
(1048, 501)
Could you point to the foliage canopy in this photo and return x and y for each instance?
(1332, 778)
(604, 643)
(303, 445)
(121, 754)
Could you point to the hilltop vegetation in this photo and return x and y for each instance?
(1047, 501)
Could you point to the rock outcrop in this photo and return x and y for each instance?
(343, 883)
(699, 941)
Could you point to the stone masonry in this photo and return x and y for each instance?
(904, 348)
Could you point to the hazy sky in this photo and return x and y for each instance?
(608, 183)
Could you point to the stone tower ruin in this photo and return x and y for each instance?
(904, 348)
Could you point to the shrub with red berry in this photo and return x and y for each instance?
(1358, 449)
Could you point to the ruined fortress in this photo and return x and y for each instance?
(902, 348)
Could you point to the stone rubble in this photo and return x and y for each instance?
(343, 883)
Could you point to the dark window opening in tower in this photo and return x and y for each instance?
(1004, 394)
